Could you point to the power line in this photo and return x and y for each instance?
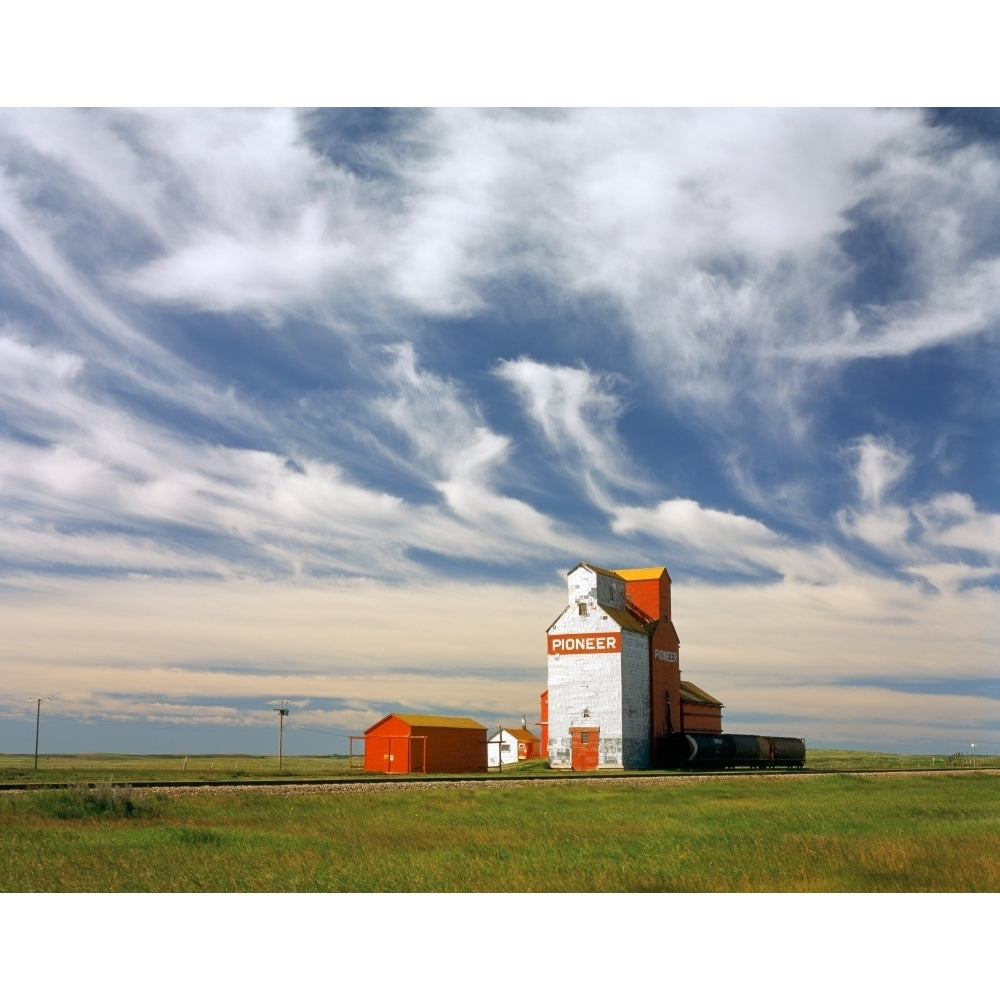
(322, 732)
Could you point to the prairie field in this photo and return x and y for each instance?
(927, 832)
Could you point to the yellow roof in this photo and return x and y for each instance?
(647, 573)
(524, 735)
(439, 721)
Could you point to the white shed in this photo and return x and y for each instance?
(508, 746)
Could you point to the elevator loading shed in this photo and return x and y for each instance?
(425, 744)
(615, 693)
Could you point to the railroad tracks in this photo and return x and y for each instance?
(374, 782)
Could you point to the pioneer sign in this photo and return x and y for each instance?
(587, 642)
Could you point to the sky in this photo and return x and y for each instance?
(319, 407)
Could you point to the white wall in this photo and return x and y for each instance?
(636, 750)
(493, 753)
(608, 690)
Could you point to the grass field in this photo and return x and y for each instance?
(123, 768)
(934, 832)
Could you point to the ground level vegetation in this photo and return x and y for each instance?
(937, 831)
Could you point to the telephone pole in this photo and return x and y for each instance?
(38, 719)
(282, 712)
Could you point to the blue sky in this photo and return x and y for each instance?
(321, 406)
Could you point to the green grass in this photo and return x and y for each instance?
(124, 768)
(850, 760)
(938, 832)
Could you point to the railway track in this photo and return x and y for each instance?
(375, 782)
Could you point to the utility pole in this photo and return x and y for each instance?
(38, 719)
(282, 712)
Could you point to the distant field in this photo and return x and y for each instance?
(850, 760)
(933, 832)
(123, 768)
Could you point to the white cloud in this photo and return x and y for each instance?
(716, 233)
(952, 520)
(957, 306)
(922, 532)
(463, 458)
(879, 466)
(797, 634)
(31, 371)
(577, 411)
(255, 510)
(716, 539)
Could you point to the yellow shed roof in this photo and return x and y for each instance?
(439, 721)
(524, 735)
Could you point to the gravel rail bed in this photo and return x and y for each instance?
(381, 787)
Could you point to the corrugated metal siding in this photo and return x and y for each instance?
(635, 703)
(599, 586)
(665, 681)
(584, 689)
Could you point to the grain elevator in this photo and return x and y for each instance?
(615, 692)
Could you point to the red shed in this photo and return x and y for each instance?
(701, 712)
(425, 744)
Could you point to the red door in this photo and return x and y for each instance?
(584, 741)
(397, 755)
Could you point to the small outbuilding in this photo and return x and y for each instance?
(508, 746)
(700, 712)
(425, 744)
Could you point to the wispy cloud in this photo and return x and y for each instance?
(463, 459)
(956, 308)
(577, 411)
(923, 532)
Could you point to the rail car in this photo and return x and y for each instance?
(720, 751)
